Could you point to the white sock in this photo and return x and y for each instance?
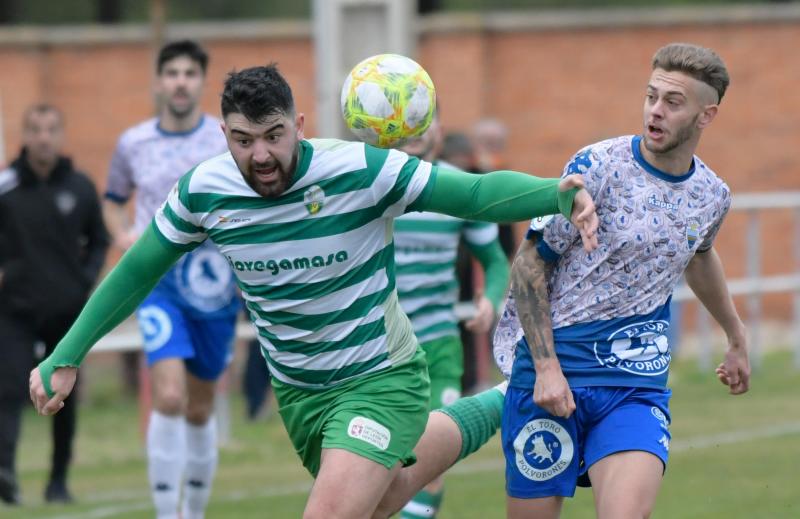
(166, 457)
(201, 463)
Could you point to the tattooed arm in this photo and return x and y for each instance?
(529, 275)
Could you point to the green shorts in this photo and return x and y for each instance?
(445, 367)
(379, 416)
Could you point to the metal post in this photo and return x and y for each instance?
(347, 31)
(754, 272)
(797, 292)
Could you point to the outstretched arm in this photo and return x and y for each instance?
(706, 278)
(529, 275)
(115, 299)
(510, 196)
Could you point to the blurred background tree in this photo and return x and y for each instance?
(47, 12)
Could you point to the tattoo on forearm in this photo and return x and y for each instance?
(529, 276)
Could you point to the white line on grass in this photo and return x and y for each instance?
(467, 467)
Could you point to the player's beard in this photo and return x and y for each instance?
(181, 111)
(276, 187)
(683, 134)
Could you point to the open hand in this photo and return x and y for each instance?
(584, 215)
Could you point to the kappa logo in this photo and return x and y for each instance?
(544, 449)
(314, 199)
(370, 431)
(662, 204)
(660, 416)
(639, 348)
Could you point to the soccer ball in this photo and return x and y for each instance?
(388, 99)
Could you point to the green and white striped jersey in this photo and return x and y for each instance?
(316, 264)
(426, 246)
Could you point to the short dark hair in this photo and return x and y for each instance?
(41, 108)
(698, 62)
(189, 48)
(257, 93)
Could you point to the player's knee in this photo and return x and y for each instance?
(395, 498)
(169, 399)
(198, 413)
(625, 509)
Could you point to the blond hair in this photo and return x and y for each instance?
(698, 62)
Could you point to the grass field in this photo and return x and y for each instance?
(731, 457)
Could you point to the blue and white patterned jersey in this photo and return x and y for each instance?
(149, 161)
(610, 307)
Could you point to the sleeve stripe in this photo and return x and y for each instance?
(169, 243)
(178, 222)
(481, 235)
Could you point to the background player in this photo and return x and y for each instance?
(188, 321)
(426, 245)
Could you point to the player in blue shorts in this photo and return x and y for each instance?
(587, 400)
(188, 321)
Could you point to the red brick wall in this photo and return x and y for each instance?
(557, 90)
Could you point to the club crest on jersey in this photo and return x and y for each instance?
(692, 232)
(543, 449)
(314, 198)
(639, 348)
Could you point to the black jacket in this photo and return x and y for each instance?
(52, 240)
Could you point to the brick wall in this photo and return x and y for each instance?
(558, 89)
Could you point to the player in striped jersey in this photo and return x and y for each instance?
(306, 226)
(426, 246)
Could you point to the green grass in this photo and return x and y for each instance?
(732, 457)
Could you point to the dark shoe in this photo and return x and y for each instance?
(56, 492)
(9, 491)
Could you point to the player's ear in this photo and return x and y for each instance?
(707, 116)
(299, 123)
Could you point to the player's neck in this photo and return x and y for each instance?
(169, 122)
(674, 162)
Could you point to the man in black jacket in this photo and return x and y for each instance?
(52, 246)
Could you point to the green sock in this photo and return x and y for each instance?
(478, 418)
(424, 505)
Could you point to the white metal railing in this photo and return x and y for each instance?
(755, 285)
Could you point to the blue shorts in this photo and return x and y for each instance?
(549, 456)
(206, 345)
